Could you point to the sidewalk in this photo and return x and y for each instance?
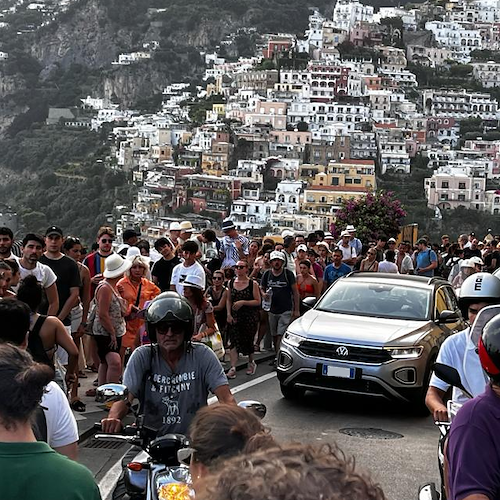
(97, 411)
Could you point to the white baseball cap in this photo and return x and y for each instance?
(276, 254)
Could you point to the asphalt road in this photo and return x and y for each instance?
(400, 464)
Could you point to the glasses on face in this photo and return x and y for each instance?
(217, 278)
(105, 240)
(165, 328)
(240, 267)
(184, 455)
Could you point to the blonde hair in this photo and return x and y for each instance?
(141, 260)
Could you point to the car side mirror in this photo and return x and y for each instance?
(309, 302)
(447, 316)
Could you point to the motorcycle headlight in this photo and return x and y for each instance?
(405, 352)
(293, 339)
(174, 484)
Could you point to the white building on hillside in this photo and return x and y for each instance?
(349, 13)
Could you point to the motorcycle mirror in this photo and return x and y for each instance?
(451, 376)
(257, 407)
(109, 393)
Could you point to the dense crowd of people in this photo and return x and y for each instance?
(77, 311)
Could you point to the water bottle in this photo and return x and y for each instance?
(266, 302)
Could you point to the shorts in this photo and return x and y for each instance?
(278, 323)
(103, 347)
(76, 317)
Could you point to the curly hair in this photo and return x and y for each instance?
(290, 472)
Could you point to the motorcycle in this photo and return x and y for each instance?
(450, 376)
(155, 472)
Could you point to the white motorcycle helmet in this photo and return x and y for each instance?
(479, 287)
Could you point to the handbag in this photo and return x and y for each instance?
(214, 341)
(89, 327)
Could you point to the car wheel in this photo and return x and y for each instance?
(292, 392)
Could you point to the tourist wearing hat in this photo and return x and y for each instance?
(280, 286)
(325, 255)
(234, 246)
(313, 257)
(109, 325)
(353, 241)
(137, 289)
(186, 232)
(348, 252)
(173, 232)
(203, 310)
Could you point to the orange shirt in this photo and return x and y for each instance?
(128, 291)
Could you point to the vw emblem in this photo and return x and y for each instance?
(342, 351)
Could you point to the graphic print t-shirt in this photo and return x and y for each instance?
(172, 398)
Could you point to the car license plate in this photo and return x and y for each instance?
(338, 371)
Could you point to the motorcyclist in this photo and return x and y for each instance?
(171, 377)
(473, 450)
(459, 350)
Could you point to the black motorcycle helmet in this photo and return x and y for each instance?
(489, 349)
(169, 307)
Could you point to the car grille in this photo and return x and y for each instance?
(341, 384)
(335, 351)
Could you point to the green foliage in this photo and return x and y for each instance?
(59, 181)
(348, 50)
(485, 55)
(375, 214)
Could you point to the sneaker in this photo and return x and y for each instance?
(252, 368)
(231, 373)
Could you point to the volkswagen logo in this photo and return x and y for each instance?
(342, 351)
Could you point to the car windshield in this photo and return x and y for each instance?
(377, 299)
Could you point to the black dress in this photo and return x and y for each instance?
(242, 333)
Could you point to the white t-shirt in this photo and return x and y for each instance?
(453, 353)
(387, 267)
(61, 424)
(180, 272)
(44, 274)
(347, 253)
(406, 265)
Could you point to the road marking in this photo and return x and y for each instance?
(108, 481)
(246, 385)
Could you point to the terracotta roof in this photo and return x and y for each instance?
(359, 189)
(357, 162)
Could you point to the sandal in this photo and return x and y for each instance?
(252, 368)
(231, 373)
(91, 393)
(78, 405)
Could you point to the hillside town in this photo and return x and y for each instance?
(279, 140)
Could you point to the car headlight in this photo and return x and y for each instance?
(405, 352)
(174, 484)
(293, 339)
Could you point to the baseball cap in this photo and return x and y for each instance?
(391, 240)
(276, 254)
(54, 230)
(302, 247)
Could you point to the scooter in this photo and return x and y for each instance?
(155, 473)
(452, 377)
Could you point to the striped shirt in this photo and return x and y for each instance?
(229, 252)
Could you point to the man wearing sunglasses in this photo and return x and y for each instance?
(172, 377)
(95, 260)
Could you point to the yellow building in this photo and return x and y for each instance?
(344, 180)
(216, 162)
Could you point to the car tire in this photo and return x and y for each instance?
(291, 392)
